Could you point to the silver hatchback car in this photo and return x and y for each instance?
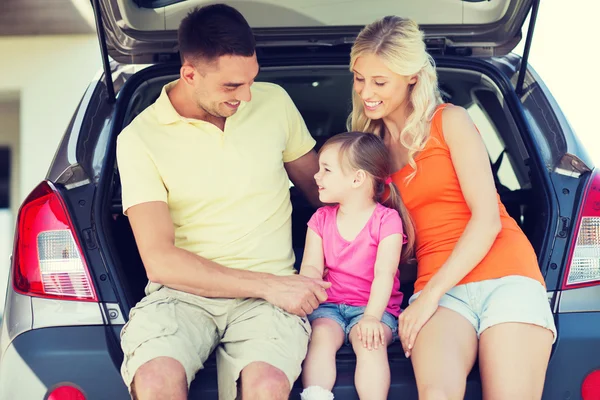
(76, 271)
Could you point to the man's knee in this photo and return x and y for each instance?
(163, 377)
(263, 381)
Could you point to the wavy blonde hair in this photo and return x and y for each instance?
(400, 45)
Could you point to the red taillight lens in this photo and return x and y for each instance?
(590, 389)
(583, 268)
(47, 258)
(66, 393)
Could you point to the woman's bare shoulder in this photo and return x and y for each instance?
(456, 122)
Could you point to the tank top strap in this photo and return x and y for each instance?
(436, 128)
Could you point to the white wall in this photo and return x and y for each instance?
(9, 137)
(49, 74)
(43, 78)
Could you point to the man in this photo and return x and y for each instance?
(206, 191)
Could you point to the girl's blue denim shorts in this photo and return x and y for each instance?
(348, 316)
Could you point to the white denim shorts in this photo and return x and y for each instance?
(495, 301)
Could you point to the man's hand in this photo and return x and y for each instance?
(296, 294)
(370, 332)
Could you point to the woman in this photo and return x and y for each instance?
(479, 290)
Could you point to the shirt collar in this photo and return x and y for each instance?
(165, 111)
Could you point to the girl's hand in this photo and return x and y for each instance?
(370, 332)
(414, 318)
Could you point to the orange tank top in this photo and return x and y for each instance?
(440, 213)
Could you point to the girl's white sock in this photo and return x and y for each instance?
(316, 393)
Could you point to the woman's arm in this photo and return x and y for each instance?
(313, 260)
(472, 166)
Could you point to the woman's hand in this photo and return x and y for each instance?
(370, 332)
(414, 318)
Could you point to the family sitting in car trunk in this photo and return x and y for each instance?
(205, 177)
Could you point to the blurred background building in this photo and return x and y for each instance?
(48, 55)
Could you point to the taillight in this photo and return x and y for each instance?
(65, 393)
(590, 389)
(583, 268)
(47, 258)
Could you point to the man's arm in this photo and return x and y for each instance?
(179, 269)
(302, 174)
(171, 266)
(300, 159)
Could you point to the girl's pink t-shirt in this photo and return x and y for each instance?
(351, 264)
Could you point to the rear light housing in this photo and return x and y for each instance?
(590, 389)
(47, 257)
(66, 393)
(583, 268)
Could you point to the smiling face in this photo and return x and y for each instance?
(382, 91)
(219, 86)
(334, 181)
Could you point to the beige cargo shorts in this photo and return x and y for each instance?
(170, 323)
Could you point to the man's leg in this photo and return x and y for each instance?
(260, 380)
(263, 347)
(165, 343)
(162, 377)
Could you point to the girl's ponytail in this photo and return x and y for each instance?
(394, 200)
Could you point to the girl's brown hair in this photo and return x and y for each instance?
(367, 152)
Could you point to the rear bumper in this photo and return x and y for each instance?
(41, 359)
(89, 357)
(576, 354)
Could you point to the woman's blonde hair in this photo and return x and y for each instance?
(367, 152)
(399, 44)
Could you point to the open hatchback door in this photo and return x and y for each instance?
(145, 31)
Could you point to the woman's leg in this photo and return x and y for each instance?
(516, 336)
(319, 366)
(443, 355)
(372, 375)
(513, 358)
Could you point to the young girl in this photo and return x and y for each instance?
(359, 243)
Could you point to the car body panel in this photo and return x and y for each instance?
(41, 359)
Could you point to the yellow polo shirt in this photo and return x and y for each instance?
(227, 192)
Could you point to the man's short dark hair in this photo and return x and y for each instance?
(213, 31)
